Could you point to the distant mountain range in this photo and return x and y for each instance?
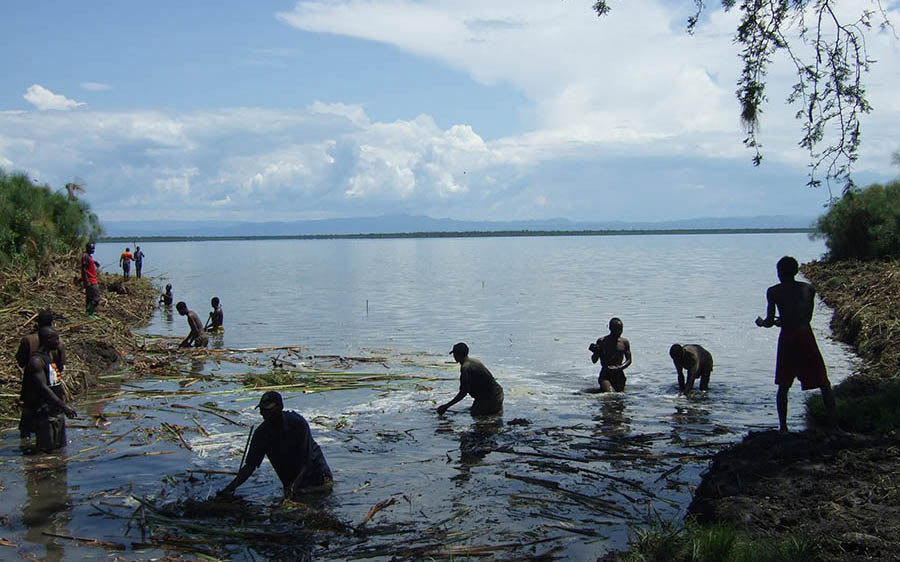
(392, 224)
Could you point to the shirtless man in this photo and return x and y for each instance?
(217, 317)
(197, 336)
(614, 353)
(476, 380)
(43, 399)
(696, 360)
(798, 354)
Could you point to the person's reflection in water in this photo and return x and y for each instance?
(613, 416)
(48, 507)
(197, 367)
(689, 420)
(217, 339)
(475, 444)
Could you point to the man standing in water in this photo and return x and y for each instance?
(197, 336)
(31, 343)
(696, 360)
(125, 262)
(216, 317)
(798, 354)
(614, 353)
(475, 379)
(89, 280)
(285, 438)
(138, 261)
(43, 402)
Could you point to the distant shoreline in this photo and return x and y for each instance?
(464, 234)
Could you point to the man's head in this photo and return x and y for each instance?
(44, 318)
(48, 338)
(127, 249)
(168, 287)
(137, 248)
(270, 405)
(459, 352)
(787, 268)
(181, 308)
(214, 302)
(616, 327)
(89, 247)
(676, 352)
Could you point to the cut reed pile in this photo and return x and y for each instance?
(92, 345)
(865, 297)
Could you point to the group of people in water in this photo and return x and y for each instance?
(285, 437)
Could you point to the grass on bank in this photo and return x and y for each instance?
(874, 410)
(668, 541)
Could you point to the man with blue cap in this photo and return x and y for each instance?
(284, 437)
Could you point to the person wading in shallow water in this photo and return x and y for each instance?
(197, 336)
(696, 360)
(43, 398)
(216, 317)
(798, 354)
(614, 353)
(285, 438)
(475, 380)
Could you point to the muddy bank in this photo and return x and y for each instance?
(841, 489)
(93, 346)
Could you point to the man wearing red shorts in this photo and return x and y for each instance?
(798, 354)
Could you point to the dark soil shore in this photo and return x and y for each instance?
(93, 346)
(839, 489)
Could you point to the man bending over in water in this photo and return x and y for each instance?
(798, 354)
(697, 361)
(614, 353)
(475, 379)
(197, 336)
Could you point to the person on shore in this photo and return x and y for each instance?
(798, 354)
(125, 263)
(694, 359)
(216, 317)
(31, 343)
(89, 280)
(138, 261)
(476, 380)
(43, 400)
(167, 297)
(285, 438)
(614, 353)
(197, 336)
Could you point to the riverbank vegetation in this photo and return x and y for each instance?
(37, 223)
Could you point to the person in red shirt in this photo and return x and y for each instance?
(89, 280)
(125, 262)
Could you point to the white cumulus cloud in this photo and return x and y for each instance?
(44, 99)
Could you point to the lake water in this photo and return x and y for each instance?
(574, 473)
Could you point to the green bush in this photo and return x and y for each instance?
(36, 222)
(863, 224)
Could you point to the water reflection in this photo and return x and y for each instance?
(613, 417)
(475, 443)
(167, 315)
(48, 505)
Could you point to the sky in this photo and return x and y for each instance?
(466, 109)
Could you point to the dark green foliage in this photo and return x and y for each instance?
(863, 223)
(36, 222)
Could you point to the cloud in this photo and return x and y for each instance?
(44, 99)
(95, 86)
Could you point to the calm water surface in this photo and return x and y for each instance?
(527, 307)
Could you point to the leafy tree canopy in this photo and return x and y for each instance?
(829, 90)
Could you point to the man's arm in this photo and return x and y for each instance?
(680, 376)
(36, 371)
(769, 320)
(463, 391)
(23, 354)
(627, 362)
(61, 357)
(242, 476)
